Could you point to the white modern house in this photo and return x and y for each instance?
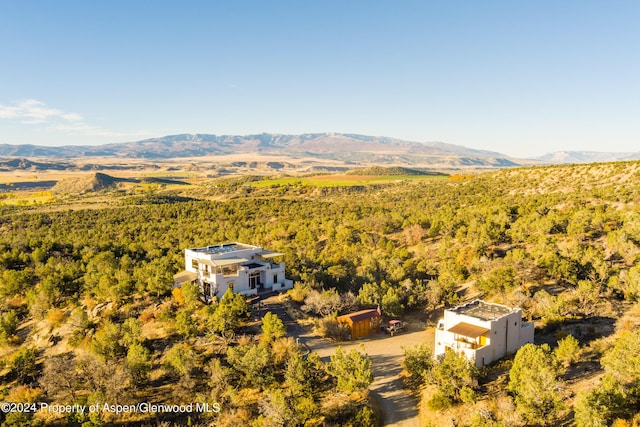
(482, 332)
(243, 268)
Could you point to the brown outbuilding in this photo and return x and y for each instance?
(361, 323)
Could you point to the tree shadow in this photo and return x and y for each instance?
(585, 330)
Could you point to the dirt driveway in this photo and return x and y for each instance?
(400, 408)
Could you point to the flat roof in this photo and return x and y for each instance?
(483, 310)
(224, 248)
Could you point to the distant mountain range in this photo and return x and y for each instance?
(586, 157)
(349, 148)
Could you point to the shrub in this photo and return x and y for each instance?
(467, 395)
(568, 350)
(352, 370)
(418, 361)
(55, 316)
(176, 293)
(328, 327)
(324, 304)
(299, 292)
(439, 401)
(364, 417)
(451, 375)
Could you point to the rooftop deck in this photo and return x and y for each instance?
(482, 310)
(224, 248)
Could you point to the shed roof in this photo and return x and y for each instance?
(360, 315)
(468, 330)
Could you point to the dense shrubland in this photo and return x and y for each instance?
(562, 242)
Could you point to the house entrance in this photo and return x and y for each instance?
(254, 281)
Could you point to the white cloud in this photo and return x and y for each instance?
(37, 113)
(32, 111)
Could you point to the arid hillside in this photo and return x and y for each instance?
(89, 313)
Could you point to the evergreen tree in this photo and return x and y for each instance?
(534, 383)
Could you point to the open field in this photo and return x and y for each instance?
(334, 180)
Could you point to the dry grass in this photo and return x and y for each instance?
(55, 316)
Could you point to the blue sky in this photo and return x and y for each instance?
(519, 77)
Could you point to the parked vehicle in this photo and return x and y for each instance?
(395, 326)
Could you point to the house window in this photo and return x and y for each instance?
(194, 263)
(275, 278)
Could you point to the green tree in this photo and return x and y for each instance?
(101, 276)
(597, 408)
(455, 377)
(252, 362)
(568, 350)
(138, 363)
(131, 331)
(370, 294)
(272, 328)
(622, 361)
(23, 365)
(158, 277)
(418, 361)
(181, 358)
(228, 313)
(618, 395)
(499, 280)
(304, 374)
(534, 383)
(191, 295)
(391, 304)
(352, 370)
(185, 324)
(106, 342)
(8, 325)
(15, 281)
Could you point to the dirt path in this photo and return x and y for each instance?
(400, 408)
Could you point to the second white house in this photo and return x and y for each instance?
(482, 332)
